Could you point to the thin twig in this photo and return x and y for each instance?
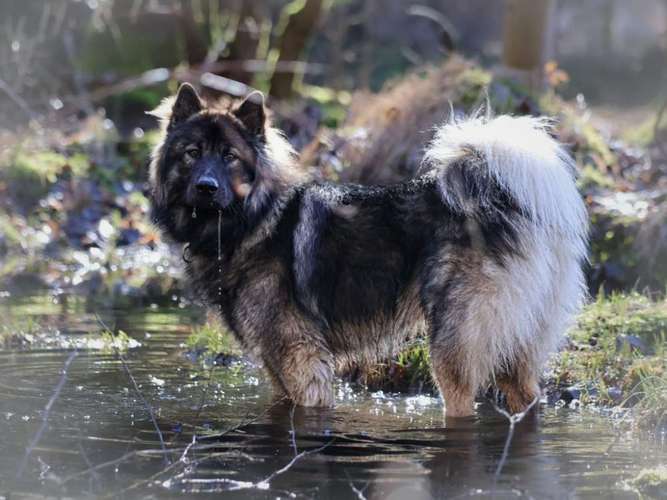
(146, 404)
(292, 431)
(264, 483)
(184, 451)
(139, 394)
(94, 476)
(173, 465)
(359, 493)
(17, 99)
(513, 420)
(47, 411)
(109, 463)
(202, 401)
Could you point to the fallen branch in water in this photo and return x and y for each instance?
(47, 411)
(292, 431)
(182, 460)
(359, 493)
(513, 419)
(264, 484)
(139, 394)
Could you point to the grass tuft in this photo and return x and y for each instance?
(651, 482)
(213, 340)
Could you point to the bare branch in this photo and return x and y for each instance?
(139, 394)
(513, 420)
(47, 411)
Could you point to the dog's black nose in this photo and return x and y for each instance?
(207, 186)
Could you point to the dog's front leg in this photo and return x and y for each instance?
(307, 374)
(298, 359)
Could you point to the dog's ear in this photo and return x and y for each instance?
(176, 109)
(187, 103)
(252, 114)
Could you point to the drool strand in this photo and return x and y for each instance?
(219, 234)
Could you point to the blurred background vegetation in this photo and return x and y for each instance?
(356, 85)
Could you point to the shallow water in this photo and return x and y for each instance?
(98, 438)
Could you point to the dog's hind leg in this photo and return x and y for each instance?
(450, 356)
(520, 384)
(456, 389)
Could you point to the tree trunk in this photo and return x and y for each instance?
(246, 40)
(524, 28)
(195, 42)
(525, 32)
(298, 19)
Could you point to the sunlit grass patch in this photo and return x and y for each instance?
(212, 340)
(621, 314)
(16, 332)
(110, 342)
(651, 395)
(651, 482)
(29, 333)
(409, 371)
(591, 177)
(617, 355)
(30, 172)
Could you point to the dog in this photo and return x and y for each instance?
(482, 252)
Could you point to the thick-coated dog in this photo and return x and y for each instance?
(482, 252)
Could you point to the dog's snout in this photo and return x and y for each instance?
(207, 185)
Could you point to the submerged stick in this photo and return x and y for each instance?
(264, 483)
(141, 396)
(292, 430)
(192, 446)
(513, 420)
(47, 411)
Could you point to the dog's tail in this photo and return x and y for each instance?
(514, 185)
(491, 165)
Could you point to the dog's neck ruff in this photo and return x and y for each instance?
(265, 228)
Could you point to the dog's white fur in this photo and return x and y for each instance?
(525, 306)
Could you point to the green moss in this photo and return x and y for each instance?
(471, 85)
(212, 340)
(643, 135)
(407, 372)
(119, 341)
(30, 173)
(17, 332)
(415, 362)
(595, 361)
(613, 237)
(633, 314)
(9, 232)
(591, 178)
(650, 392)
(651, 482)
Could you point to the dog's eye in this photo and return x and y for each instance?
(192, 154)
(230, 157)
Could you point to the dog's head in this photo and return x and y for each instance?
(215, 162)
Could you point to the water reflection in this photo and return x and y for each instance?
(100, 440)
